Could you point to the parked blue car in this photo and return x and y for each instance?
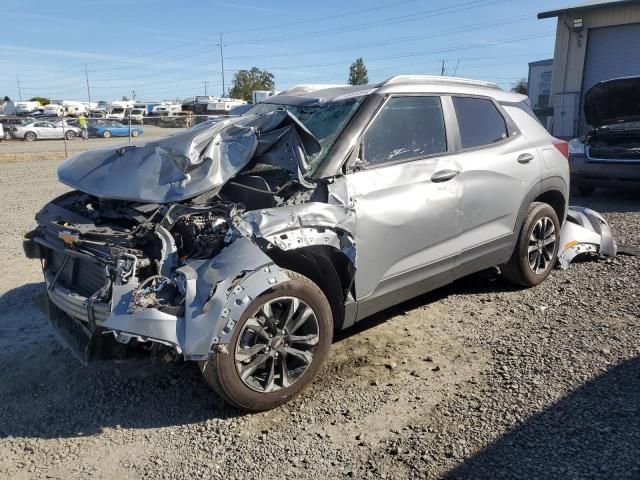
(113, 129)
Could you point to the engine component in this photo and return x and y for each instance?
(199, 236)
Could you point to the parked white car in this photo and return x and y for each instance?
(44, 130)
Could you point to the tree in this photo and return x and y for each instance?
(7, 99)
(43, 101)
(125, 98)
(521, 86)
(358, 73)
(246, 81)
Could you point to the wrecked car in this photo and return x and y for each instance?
(609, 154)
(244, 244)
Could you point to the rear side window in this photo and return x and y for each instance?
(406, 127)
(479, 121)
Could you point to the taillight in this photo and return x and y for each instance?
(562, 146)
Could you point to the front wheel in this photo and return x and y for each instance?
(536, 249)
(135, 133)
(277, 349)
(70, 135)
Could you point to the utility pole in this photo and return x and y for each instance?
(86, 73)
(456, 70)
(442, 69)
(19, 89)
(133, 94)
(222, 45)
(206, 83)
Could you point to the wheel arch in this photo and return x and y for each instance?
(327, 267)
(552, 190)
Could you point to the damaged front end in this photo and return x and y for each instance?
(164, 249)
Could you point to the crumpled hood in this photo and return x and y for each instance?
(613, 101)
(189, 163)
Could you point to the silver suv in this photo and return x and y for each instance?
(244, 244)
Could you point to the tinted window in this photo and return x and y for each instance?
(479, 121)
(407, 127)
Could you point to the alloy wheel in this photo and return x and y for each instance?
(542, 245)
(277, 344)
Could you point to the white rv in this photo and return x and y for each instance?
(167, 109)
(223, 106)
(26, 108)
(53, 110)
(258, 96)
(119, 109)
(74, 108)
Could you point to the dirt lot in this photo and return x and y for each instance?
(476, 380)
(19, 150)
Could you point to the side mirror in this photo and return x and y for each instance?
(356, 161)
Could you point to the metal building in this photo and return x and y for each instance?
(539, 89)
(595, 41)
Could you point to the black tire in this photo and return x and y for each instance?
(135, 133)
(70, 135)
(106, 134)
(30, 136)
(518, 269)
(220, 370)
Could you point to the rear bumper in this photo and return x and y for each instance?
(602, 173)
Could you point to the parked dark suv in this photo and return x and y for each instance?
(609, 154)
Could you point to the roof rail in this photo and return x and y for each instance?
(308, 88)
(435, 79)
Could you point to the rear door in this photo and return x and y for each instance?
(498, 169)
(44, 130)
(406, 199)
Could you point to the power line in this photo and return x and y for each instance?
(319, 19)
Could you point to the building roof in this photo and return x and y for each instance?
(540, 63)
(583, 7)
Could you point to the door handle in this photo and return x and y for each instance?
(525, 158)
(444, 175)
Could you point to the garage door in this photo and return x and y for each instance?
(612, 52)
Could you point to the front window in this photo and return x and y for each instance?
(324, 121)
(406, 128)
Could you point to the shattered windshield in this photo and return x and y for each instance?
(324, 121)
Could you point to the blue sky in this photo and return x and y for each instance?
(166, 49)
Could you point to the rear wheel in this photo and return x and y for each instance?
(536, 249)
(30, 136)
(277, 349)
(106, 134)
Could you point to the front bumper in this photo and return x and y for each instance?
(217, 292)
(604, 173)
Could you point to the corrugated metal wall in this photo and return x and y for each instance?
(612, 52)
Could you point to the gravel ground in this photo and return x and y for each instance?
(476, 380)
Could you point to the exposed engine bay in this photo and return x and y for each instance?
(614, 144)
(155, 273)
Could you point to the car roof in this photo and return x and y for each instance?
(309, 95)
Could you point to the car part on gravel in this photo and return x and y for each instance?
(584, 231)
